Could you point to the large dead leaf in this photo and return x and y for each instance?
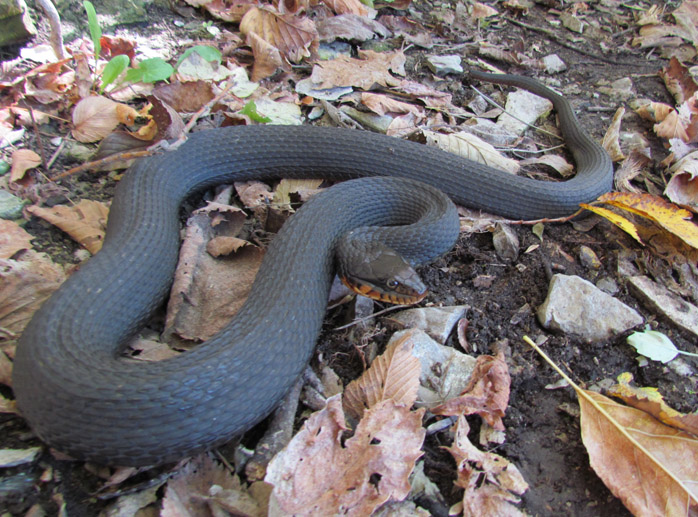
(208, 291)
(371, 68)
(683, 185)
(13, 238)
(382, 104)
(294, 37)
(471, 147)
(393, 375)
(651, 401)
(95, 117)
(318, 473)
(652, 468)
(85, 222)
(22, 161)
(492, 484)
(487, 393)
(347, 7)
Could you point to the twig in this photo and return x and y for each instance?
(55, 23)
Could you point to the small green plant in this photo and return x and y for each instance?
(210, 54)
(250, 109)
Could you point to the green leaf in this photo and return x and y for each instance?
(95, 31)
(150, 71)
(653, 345)
(250, 109)
(116, 65)
(210, 54)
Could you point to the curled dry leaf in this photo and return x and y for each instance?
(347, 7)
(224, 9)
(487, 393)
(678, 80)
(611, 140)
(654, 111)
(382, 104)
(492, 484)
(294, 37)
(267, 58)
(22, 161)
(85, 222)
(481, 11)
(554, 161)
(318, 473)
(471, 147)
(13, 238)
(95, 117)
(683, 185)
(651, 401)
(393, 375)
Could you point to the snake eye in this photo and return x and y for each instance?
(392, 283)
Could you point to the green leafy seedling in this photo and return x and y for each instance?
(210, 54)
(116, 65)
(95, 30)
(150, 71)
(250, 109)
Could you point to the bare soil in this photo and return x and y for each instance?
(543, 434)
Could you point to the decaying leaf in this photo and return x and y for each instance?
(347, 7)
(293, 36)
(22, 161)
(611, 140)
(85, 222)
(371, 68)
(95, 117)
(554, 161)
(203, 487)
(267, 58)
(471, 147)
(492, 484)
(393, 375)
(320, 474)
(683, 185)
(623, 223)
(487, 393)
(382, 104)
(303, 188)
(651, 401)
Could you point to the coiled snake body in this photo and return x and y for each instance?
(82, 398)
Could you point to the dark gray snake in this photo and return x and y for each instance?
(82, 398)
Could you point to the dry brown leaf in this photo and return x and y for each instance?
(678, 81)
(629, 169)
(85, 222)
(267, 58)
(294, 37)
(186, 97)
(682, 188)
(650, 467)
(654, 111)
(481, 11)
(227, 10)
(94, 118)
(347, 7)
(487, 393)
(253, 194)
(471, 147)
(371, 68)
(207, 291)
(651, 401)
(392, 375)
(382, 104)
(554, 161)
(24, 285)
(318, 473)
(13, 238)
(492, 484)
(5, 370)
(673, 126)
(201, 487)
(22, 161)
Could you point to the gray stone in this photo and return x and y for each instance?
(506, 242)
(522, 110)
(10, 206)
(576, 306)
(438, 322)
(553, 64)
(442, 65)
(659, 299)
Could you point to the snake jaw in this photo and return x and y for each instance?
(402, 295)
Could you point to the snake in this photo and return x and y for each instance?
(82, 396)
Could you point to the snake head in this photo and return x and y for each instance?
(376, 271)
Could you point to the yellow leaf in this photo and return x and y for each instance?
(672, 218)
(620, 221)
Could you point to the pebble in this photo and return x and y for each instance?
(525, 108)
(588, 258)
(576, 306)
(506, 243)
(442, 65)
(438, 322)
(553, 64)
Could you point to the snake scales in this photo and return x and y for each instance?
(81, 397)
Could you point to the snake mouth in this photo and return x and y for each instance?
(406, 295)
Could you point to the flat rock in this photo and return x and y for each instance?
(576, 306)
(659, 299)
(523, 109)
(438, 322)
(442, 65)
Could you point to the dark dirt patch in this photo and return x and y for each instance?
(543, 435)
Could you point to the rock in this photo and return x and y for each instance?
(505, 241)
(576, 306)
(553, 64)
(10, 206)
(607, 285)
(308, 87)
(445, 371)
(659, 299)
(438, 322)
(442, 65)
(588, 258)
(525, 108)
(15, 24)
